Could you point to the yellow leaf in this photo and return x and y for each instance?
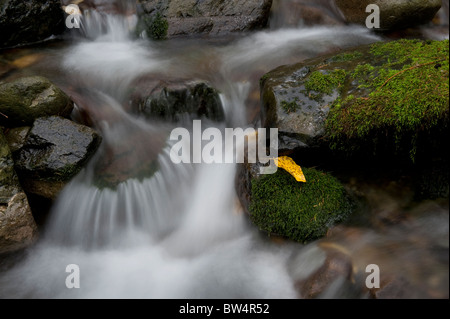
(291, 167)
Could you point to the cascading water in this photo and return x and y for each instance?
(177, 233)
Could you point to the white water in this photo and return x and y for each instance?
(180, 233)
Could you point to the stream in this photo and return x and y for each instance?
(181, 233)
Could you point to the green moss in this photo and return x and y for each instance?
(320, 82)
(299, 211)
(406, 89)
(155, 26)
(345, 57)
(289, 107)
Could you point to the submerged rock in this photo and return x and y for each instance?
(17, 226)
(55, 150)
(208, 17)
(394, 14)
(29, 21)
(25, 99)
(174, 100)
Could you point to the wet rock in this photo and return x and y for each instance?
(209, 17)
(29, 21)
(133, 155)
(337, 266)
(177, 99)
(17, 226)
(25, 99)
(16, 137)
(394, 14)
(55, 150)
(288, 105)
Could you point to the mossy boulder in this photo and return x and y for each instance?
(28, 98)
(54, 151)
(388, 97)
(300, 211)
(17, 226)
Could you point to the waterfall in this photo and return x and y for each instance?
(176, 232)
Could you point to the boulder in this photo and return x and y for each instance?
(17, 225)
(25, 99)
(279, 205)
(174, 100)
(385, 98)
(213, 17)
(54, 151)
(29, 21)
(394, 14)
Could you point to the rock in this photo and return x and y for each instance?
(210, 16)
(367, 100)
(394, 14)
(55, 150)
(17, 226)
(337, 266)
(16, 137)
(288, 105)
(134, 155)
(295, 13)
(25, 99)
(29, 21)
(281, 206)
(175, 99)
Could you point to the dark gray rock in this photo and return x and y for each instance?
(55, 150)
(394, 14)
(176, 99)
(27, 98)
(29, 21)
(191, 17)
(288, 106)
(17, 226)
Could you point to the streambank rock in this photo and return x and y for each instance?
(213, 17)
(394, 14)
(368, 100)
(174, 100)
(28, 21)
(54, 151)
(17, 226)
(25, 99)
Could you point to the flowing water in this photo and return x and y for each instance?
(180, 233)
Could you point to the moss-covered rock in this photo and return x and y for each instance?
(387, 97)
(25, 99)
(300, 211)
(397, 96)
